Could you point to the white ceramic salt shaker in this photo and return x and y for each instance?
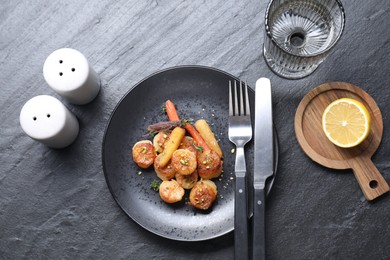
(45, 119)
(68, 72)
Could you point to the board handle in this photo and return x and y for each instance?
(369, 178)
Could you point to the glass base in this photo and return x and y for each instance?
(286, 72)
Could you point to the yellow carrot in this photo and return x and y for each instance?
(208, 136)
(173, 116)
(171, 145)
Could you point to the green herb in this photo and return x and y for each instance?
(152, 132)
(155, 185)
(199, 148)
(185, 121)
(184, 161)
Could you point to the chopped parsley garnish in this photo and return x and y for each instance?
(163, 108)
(155, 185)
(199, 148)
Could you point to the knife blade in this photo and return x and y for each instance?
(263, 162)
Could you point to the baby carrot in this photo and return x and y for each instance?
(208, 136)
(174, 116)
(171, 145)
(195, 134)
(171, 111)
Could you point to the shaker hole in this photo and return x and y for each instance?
(61, 61)
(73, 69)
(48, 115)
(34, 118)
(373, 184)
(61, 74)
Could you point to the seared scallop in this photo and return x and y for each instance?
(209, 165)
(159, 141)
(203, 194)
(189, 144)
(187, 181)
(144, 153)
(184, 161)
(171, 191)
(166, 172)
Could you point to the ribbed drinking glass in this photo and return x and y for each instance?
(300, 34)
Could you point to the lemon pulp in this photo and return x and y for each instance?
(346, 122)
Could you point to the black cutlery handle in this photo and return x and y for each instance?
(258, 243)
(241, 220)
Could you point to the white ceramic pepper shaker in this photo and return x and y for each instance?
(45, 119)
(68, 72)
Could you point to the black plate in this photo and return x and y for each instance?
(198, 92)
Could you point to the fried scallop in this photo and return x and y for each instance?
(209, 165)
(171, 191)
(184, 161)
(166, 172)
(144, 153)
(189, 144)
(203, 194)
(159, 141)
(187, 181)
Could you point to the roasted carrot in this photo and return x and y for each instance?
(174, 116)
(208, 136)
(171, 111)
(195, 134)
(163, 126)
(171, 145)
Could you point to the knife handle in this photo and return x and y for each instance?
(241, 220)
(258, 242)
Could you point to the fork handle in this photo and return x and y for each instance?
(258, 243)
(241, 218)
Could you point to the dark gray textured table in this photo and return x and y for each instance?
(55, 204)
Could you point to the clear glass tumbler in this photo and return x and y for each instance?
(300, 33)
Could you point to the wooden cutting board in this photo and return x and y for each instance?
(312, 139)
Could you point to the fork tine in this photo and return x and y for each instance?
(242, 112)
(247, 107)
(235, 99)
(230, 99)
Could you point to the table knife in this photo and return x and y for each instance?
(263, 162)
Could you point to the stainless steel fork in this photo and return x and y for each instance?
(240, 133)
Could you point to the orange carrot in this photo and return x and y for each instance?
(171, 111)
(195, 134)
(174, 116)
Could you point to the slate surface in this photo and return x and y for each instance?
(55, 204)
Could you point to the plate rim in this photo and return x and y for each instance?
(175, 238)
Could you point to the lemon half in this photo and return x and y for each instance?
(346, 122)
